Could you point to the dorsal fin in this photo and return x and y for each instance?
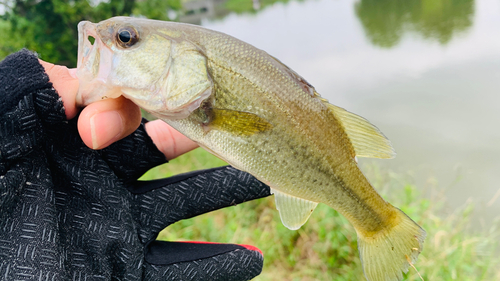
(366, 139)
(306, 86)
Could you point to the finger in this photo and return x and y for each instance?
(201, 261)
(104, 122)
(132, 156)
(168, 140)
(188, 195)
(66, 85)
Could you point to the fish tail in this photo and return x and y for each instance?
(386, 254)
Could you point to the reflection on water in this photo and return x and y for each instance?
(251, 6)
(195, 11)
(386, 21)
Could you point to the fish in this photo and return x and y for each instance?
(260, 116)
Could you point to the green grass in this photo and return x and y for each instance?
(325, 247)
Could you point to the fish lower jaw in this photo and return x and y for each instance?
(93, 92)
(162, 113)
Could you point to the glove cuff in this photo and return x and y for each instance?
(201, 261)
(185, 251)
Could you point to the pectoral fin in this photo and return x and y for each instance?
(237, 122)
(294, 211)
(366, 139)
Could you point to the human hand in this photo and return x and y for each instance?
(71, 212)
(83, 213)
(105, 122)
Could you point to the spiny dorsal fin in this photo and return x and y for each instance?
(366, 139)
(294, 211)
(308, 88)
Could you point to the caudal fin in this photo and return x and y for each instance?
(386, 255)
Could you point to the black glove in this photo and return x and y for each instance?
(71, 213)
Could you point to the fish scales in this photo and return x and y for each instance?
(313, 116)
(257, 114)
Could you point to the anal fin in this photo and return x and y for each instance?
(294, 211)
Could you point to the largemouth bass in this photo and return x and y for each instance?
(254, 112)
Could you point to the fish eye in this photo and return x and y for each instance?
(127, 37)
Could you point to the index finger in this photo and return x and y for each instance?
(65, 84)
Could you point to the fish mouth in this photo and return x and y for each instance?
(86, 29)
(93, 67)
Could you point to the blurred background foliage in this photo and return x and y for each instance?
(49, 26)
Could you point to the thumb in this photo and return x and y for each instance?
(103, 122)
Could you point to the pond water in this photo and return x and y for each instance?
(427, 73)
